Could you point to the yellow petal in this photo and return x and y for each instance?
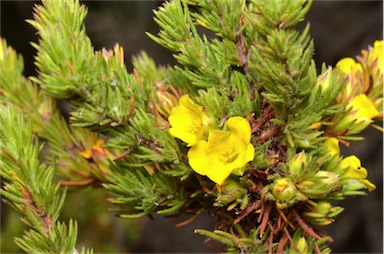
(243, 158)
(333, 146)
(185, 118)
(187, 137)
(188, 121)
(219, 173)
(362, 110)
(370, 186)
(208, 164)
(347, 65)
(355, 170)
(240, 129)
(188, 103)
(219, 141)
(197, 157)
(364, 107)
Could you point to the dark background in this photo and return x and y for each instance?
(339, 29)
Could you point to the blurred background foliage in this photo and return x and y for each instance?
(339, 29)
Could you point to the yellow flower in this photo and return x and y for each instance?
(189, 122)
(364, 76)
(354, 170)
(224, 152)
(362, 112)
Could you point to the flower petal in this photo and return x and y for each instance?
(187, 137)
(370, 186)
(243, 158)
(347, 64)
(333, 146)
(208, 164)
(219, 140)
(188, 103)
(364, 107)
(188, 121)
(354, 170)
(240, 129)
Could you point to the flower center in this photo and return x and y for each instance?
(228, 154)
(194, 126)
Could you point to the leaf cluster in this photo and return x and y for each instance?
(96, 83)
(29, 188)
(145, 192)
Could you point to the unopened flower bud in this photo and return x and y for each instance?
(283, 189)
(323, 207)
(322, 213)
(334, 211)
(297, 163)
(324, 81)
(320, 184)
(301, 245)
(230, 191)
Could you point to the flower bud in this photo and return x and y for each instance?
(351, 185)
(320, 184)
(301, 245)
(334, 211)
(322, 207)
(283, 189)
(324, 81)
(230, 191)
(306, 140)
(322, 213)
(166, 101)
(297, 163)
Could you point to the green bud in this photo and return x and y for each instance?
(230, 191)
(320, 184)
(334, 211)
(301, 245)
(323, 207)
(283, 189)
(297, 163)
(324, 81)
(323, 213)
